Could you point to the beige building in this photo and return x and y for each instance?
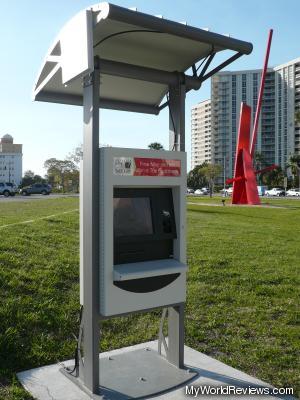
(201, 134)
(10, 160)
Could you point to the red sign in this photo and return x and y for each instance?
(156, 167)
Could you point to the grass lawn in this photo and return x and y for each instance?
(266, 201)
(243, 289)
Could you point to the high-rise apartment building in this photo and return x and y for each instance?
(278, 135)
(287, 133)
(201, 134)
(229, 89)
(10, 160)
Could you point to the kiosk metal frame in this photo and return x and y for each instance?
(65, 65)
(175, 347)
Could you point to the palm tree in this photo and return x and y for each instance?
(155, 146)
(294, 165)
(258, 162)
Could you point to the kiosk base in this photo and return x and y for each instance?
(137, 374)
(48, 383)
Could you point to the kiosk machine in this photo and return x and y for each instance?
(142, 229)
(132, 201)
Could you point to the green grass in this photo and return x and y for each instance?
(15, 211)
(243, 289)
(273, 202)
(243, 301)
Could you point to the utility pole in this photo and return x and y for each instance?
(224, 172)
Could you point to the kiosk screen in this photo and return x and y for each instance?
(132, 216)
(144, 224)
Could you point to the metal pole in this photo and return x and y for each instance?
(224, 173)
(260, 95)
(177, 118)
(175, 354)
(90, 208)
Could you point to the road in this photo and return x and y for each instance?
(35, 197)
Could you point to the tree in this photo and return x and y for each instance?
(61, 172)
(211, 172)
(27, 178)
(297, 117)
(294, 165)
(39, 179)
(196, 178)
(258, 160)
(30, 178)
(76, 155)
(273, 178)
(258, 163)
(155, 146)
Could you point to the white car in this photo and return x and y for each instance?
(199, 192)
(274, 192)
(205, 190)
(227, 192)
(293, 192)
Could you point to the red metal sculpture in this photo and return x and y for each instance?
(244, 181)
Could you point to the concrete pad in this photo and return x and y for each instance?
(48, 383)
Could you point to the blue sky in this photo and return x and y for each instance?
(47, 130)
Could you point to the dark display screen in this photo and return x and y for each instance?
(144, 224)
(132, 216)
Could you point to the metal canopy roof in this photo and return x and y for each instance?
(140, 56)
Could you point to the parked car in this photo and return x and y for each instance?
(189, 191)
(8, 189)
(262, 190)
(293, 192)
(36, 188)
(205, 190)
(227, 192)
(275, 192)
(199, 192)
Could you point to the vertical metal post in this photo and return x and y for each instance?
(90, 197)
(175, 354)
(177, 117)
(260, 95)
(224, 172)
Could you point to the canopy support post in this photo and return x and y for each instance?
(177, 117)
(175, 353)
(90, 196)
